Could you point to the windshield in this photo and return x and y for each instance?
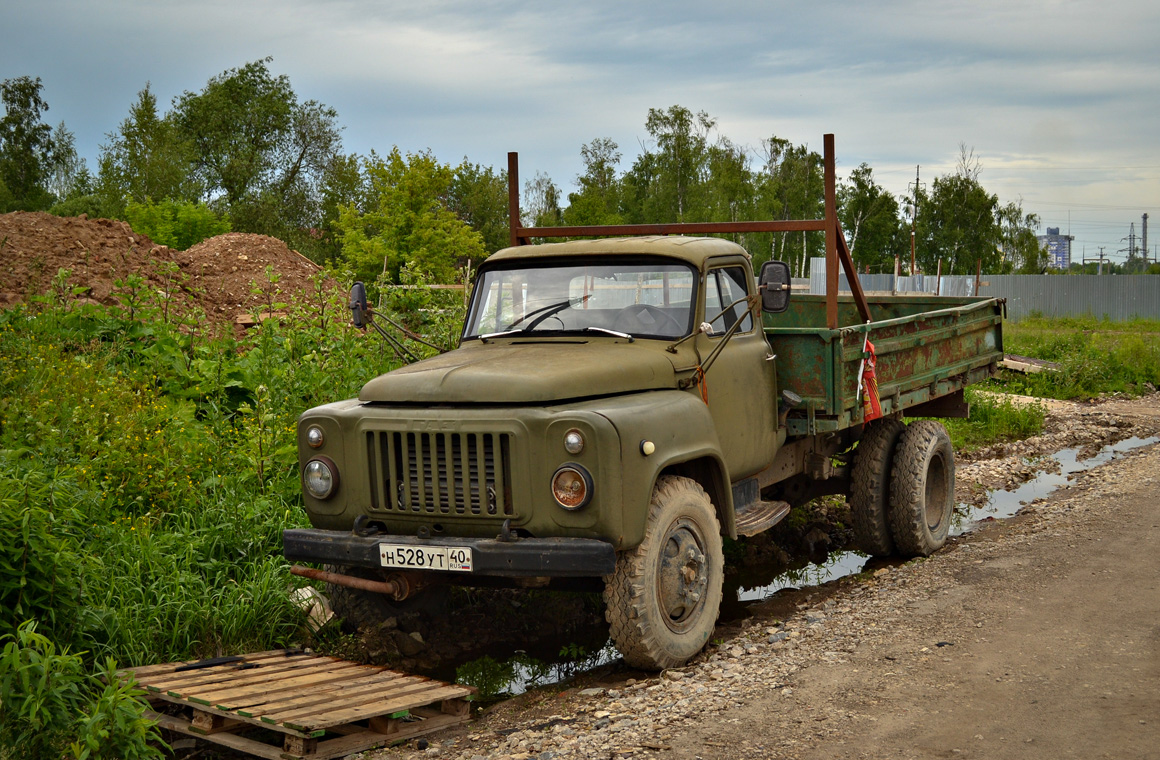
(641, 298)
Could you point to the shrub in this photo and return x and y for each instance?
(49, 706)
(176, 224)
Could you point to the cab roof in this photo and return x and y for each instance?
(694, 250)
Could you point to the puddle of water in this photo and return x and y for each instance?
(521, 671)
(1002, 504)
(835, 565)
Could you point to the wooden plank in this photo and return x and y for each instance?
(201, 681)
(391, 705)
(372, 688)
(240, 743)
(167, 668)
(193, 678)
(303, 712)
(345, 745)
(209, 723)
(226, 693)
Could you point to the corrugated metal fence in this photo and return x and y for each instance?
(1116, 297)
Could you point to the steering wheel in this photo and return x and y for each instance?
(643, 318)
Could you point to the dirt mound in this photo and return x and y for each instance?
(218, 275)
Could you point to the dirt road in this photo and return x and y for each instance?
(1035, 637)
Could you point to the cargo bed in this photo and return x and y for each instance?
(927, 347)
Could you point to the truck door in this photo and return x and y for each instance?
(740, 384)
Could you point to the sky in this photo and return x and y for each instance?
(1058, 100)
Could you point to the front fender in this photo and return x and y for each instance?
(679, 426)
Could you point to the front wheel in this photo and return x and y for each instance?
(663, 598)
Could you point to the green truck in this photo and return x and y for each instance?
(618, 405)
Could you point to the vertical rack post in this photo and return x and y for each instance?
(514, 197)
(831, 235)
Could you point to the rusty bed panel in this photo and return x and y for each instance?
(926, 346)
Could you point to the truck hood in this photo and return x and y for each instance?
(520, 373)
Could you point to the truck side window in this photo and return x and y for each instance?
(723, 287)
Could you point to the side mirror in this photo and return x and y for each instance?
(774, 285)
(358, 305)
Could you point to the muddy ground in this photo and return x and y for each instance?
(1034, 637)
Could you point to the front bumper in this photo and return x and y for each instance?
(520, 557)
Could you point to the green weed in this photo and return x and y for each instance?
(994, 418)
(1094, 356)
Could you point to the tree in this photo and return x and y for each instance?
(478, 195)
(791, 185)
(257, 150)
(406, 222)
(598, 200)
(542, 202)
(67, 175)
(146, 159)
(870, 219)
(1019, 245)
(678, 169)
(26, 147)
(959, 223)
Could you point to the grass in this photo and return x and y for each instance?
(1095, 356)
(994, 418)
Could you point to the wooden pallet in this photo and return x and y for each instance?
(320, 707)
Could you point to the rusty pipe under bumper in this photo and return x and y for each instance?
(397, 588)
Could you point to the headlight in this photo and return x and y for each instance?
(314, 437)
(572, 486)
(573, 442)
(320, 477)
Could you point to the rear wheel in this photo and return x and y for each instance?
(663, 598)
(870, 486)
(922, 489)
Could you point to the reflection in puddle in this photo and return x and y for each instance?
(516, 674)
(836, 565)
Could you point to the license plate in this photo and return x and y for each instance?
(426, 557)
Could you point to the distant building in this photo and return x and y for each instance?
(1058, 248)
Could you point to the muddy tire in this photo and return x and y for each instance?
(662, 601)
(922, 489)
(870, 486)
(361, 609)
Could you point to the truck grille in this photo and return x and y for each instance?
(440, 473)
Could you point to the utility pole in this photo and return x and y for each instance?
(1100, 268)
(914, 218)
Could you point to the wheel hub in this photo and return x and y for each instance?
(683, 576)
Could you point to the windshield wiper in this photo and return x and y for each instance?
(524, 330)
(489, 336)
(544, 312)
(613, 333)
